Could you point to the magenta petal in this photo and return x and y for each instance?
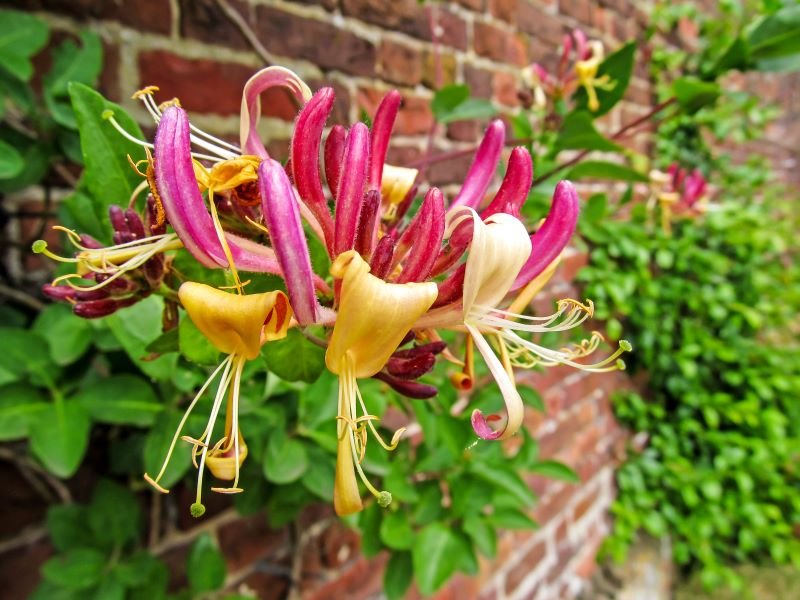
(305, 158)
(351, 188)
(515, 187)
(282, 216)
(334, 152)
(482, 428)
(554, 234)
(483, 167)
(423, 238)
(368, 224)
(381, 131)
(184, 206)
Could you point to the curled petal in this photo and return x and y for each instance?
(513, 401)
(382, 126)
(483, 166)
(553, 236)
(498, 250)
(282, 216)
(305, 158)
(346, 497)
(251, 104)
(184, 205)
(351, 188)
(374, 316)
(236, 324)
(514, 190)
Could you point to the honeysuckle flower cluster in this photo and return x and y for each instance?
(575, 69)
(677, 192)
(397, 276)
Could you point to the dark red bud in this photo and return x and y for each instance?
(411, 389)
(382, 257)
(430, 348)
(410, 368)
(452, 288)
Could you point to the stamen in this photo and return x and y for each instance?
(226, 249)
(154, 482)
(108, 115)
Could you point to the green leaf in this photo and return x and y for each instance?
(75, 570)
(434, 556)
(135, 327)
(619, 67)
(530, 397)
(285, 459)
(66, 524)
(555, 470)
(600, 169)
(471, 108)
(396, 531)
(511, 518)
(578, 133)
(448, 98)
(165, 343)
(398, 575)
(68, 336)
(194, 346)
(482, 535)
(113, 514)
(77, 212)
(24, 352)
(205, 567)
(693, 94)
(74, 64)
(121, 400)
(21, 36)
(504, 479)
(60, 436)
(20, 406)
(108, 174)
(294, 358)
(775, 40)
(11, 161)
(321, 473)
(369, 523)
(319, 401)
(157, 445)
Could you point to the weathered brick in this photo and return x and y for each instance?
(579, 10)
(551, 505)
(340, 115)
(407, 16)
(148, 15)
(325, 44)
(504, 88)
(452, 29)
(270, 582)
(327, 4)
(479, 81)
(246, 541)
(496, 43)
(463, 131)
(476, 5)
(399, 63)
(415, 116)
(450, 171)
(527, 563)
(505, 10)
(447, 69)
(202, 85)
(19, 568)
(205, 21)
(539, 23)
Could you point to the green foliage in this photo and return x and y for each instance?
(453, 103)
(707, 309)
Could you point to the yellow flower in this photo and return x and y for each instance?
(373, 318)
(237, 325)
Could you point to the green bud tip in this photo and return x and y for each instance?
(384, 499)
(621, 364)
(39, 246)
(107, 114)
(625, 345)
(197, 510)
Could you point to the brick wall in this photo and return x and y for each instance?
(192, 49)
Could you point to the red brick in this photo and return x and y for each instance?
(148, 15)
(327, 4)
(202, 85)
(573, 263)
(399, 63)
(477, 5)
(463, 131)
(270, 581)
(407, 16)
(450, 171)
(505, 10)
(246, 541)
(553, 504)
(529, 561)
(362, 580)
(498, 44)
(582, 507)
(175, 561)
(564, 555)
(577, 9)
(415, 116)
(479, 81)
(504, 88)
(326, 45)
(109, 77)
(205, 21)
(540, 24)
(340, 115)
(453, 29)
(19, 568)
